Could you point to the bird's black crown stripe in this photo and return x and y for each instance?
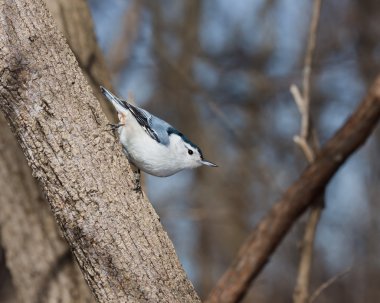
(172, 130)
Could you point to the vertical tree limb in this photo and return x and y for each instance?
(309, 144)
(307, 67)
(113, 231)
(264, 239)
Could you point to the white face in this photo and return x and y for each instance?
(189, 155)
(192, 155)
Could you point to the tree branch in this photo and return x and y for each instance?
(255, 252)
(74, 20)
(327, 284)
(307, 67)
(28, 231)
(114, 232)
(309, 144)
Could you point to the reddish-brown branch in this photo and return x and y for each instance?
(257, 249)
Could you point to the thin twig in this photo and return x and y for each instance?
(327, 284)
(308, 142)
(307, 150)
(301, 290)
(298, 98)
(307, 66)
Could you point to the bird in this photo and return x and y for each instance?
(152, 144)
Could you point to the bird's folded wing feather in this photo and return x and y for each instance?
(144, 119)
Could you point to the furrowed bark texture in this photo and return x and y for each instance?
(55, 277)
(39, 259)
(113, 231)
(254, 254)
(73, 19)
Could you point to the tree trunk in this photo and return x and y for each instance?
(40, 262)
(73, 19)
(23, 243)
(113, 231)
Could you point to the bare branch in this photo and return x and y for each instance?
(308, 142)
(307, 66)
(305, 147)
(262, 242)
(327, 284)
(298, 98)
(301, 290)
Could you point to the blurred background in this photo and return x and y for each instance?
(220, 71)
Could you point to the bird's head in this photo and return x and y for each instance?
(187, 152)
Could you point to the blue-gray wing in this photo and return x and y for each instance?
(153, 126)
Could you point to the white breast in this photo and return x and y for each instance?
(146, 153)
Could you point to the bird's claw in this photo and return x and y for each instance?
(137, 187)
(114, 126)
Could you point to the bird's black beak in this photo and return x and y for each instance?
(207, 163)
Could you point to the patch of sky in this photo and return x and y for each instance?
(172, 45)
(107, 18)
(171, 197)
(344, 88)
(139, 77)
(346, 207)
(346, 193)
(283, 116)
(256, 28)
(215, 28)
(342, 81)
(205, 74)
(176, 185)
(141, 53)
(223, 21)
(336, 245)
(291, 29)
(237, 86)
(139, 82)
(172, 11)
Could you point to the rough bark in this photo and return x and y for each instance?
(38, 232)
(113, 231)
(254, 254)
(73, 19)
(39, 260)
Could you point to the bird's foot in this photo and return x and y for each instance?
(114, 126)
(137, 181)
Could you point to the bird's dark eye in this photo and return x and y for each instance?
(190, 151)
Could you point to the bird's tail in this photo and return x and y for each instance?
(120, 105)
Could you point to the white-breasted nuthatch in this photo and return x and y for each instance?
(151, 144)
